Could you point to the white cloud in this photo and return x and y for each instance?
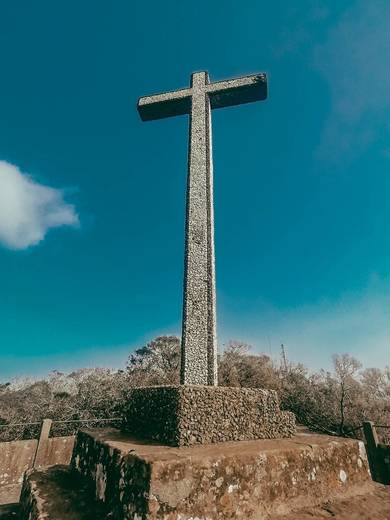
(28, 209)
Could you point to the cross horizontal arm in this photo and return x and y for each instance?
(168, 104)
(237, 91)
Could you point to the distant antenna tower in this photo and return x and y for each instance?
(269, 345)
(284, 357)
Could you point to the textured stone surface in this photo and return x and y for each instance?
(199, 339)
(245, 480)
(186, 415)
(57, 494)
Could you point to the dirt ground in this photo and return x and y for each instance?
(373, 505)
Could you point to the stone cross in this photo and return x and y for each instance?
(199, 341)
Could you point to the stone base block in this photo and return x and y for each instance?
(249, 480)
(188, 415)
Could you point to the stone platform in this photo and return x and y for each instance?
(248, 480)
(186, 415)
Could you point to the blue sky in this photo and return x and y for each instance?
(92, 199)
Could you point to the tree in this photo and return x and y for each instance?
(86, 394)
(376, 382)
(346, 368)
(157, 363)
(237, 367)
(61, 384)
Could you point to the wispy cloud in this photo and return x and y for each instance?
(300, 24)
(357, 323)
(28, 209)
(355, 61)
(350, 48)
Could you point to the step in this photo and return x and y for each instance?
(242, 480)
(56, 493)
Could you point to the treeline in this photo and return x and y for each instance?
(335, 402)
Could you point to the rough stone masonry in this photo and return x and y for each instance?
(248, 480)
(187, 415)
(199, 341)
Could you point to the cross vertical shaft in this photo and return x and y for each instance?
(199, 343)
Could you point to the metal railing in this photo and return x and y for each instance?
(45, 430)
(352, 431)
(105, 419)
(59, 428)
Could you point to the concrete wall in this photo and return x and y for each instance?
(383, 457)
(57, 450)
(18, 456)
(378, 454)
(15, 458)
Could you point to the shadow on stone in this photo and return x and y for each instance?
(58, 493)
(9, 512)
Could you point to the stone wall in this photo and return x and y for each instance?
(115, 481)
(188, 415)
(15, 458)
(18, 456)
